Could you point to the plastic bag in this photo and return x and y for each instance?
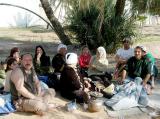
(143, 98)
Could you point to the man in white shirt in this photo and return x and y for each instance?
(122, 55)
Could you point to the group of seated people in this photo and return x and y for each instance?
(134, 63)
(73, 76)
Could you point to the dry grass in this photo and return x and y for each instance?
(26, 40)
(29, 35)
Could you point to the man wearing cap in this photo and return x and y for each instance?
(58, 63)
(149, 57)
(58, 60)
(122, 55)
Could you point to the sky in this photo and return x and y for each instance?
(16, 17)
(12, 16)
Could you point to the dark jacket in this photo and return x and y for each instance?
(69, 81)
(138, 68)
(45, 61)
(58, 63)
(43, 68)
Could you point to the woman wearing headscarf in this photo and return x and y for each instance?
(98, 67)
(58, 63)
(58, 60)
(71, 83)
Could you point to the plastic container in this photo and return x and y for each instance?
(71, 106)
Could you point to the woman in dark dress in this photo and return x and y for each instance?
(71, 83)
(41, 61)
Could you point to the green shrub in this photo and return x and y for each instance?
(113, 29)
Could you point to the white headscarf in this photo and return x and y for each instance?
(102, 52)
(71, 58)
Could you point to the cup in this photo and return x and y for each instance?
(71, 106)
(58, 76)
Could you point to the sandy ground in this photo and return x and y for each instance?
(60, 113)
(26, 40)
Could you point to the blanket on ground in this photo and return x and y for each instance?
(130, 94)
(6, 106)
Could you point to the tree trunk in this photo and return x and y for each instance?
(55, 23)
(119, 8)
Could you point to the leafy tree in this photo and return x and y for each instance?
(146, 6)
(115, 26)
(98, 22)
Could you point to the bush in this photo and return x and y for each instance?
(114, 28)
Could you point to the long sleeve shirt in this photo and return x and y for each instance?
(101, 66)
(84, 60)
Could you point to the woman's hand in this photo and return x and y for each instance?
(93, 67)
(86, 90)
(39, 56)
(87, 84)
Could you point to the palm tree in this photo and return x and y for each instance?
(119, 7)
(51, 6)
(55, 23)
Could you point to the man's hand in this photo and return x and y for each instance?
(122, 61)
(146, 79)
(87, 84)
(144, 83)
(38, 86)
(38, 98)
(120, 82)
